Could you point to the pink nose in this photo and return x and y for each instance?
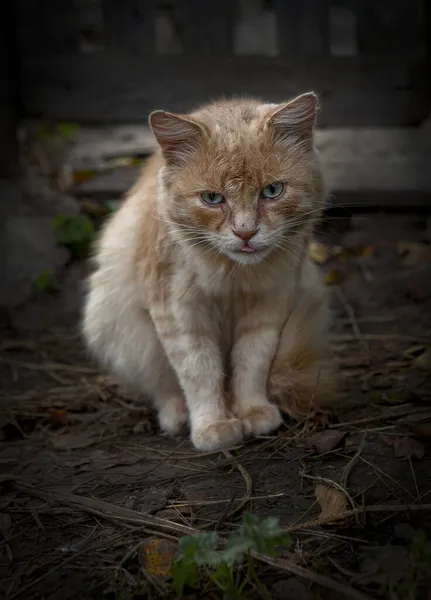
(246, 235)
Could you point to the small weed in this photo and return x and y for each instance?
(75, 232)
(200, 557)
(46, 282)
(419, 569)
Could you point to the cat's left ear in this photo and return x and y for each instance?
(296, 118)
(177, 135)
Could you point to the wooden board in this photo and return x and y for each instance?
(365, 168)
(9, 90)
(117, 88)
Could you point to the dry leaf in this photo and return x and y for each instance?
(58, 418)
(94, 209)
(71, 441)
(124, 161)
(333, 277)
(423, 361)
(414, 351)
(325, 441)
(367, 251)
(156, 555)
(81, 176)
(333, 502)
(407, 447)
(421, 430)
(413, 253)
(318, 252)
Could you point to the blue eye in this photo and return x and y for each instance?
(273, 190)
(212, 198)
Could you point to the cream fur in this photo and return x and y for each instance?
(216, 336)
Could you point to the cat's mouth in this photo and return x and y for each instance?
(247, 248)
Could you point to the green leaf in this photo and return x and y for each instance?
(66, 130)
(45, 281)
(202, 547)
(264, 534)
(75, 232)
(184, 572)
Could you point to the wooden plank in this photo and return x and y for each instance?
(381, 167)
(206, 27)
(288, 13)
(47, 25)
(115, 88)
(9, 92)
(313, 27)
(389, 26)
(129, 25)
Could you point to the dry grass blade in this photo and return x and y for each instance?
(108, 510)
(248, 485)
(358, 511)
(285, 564)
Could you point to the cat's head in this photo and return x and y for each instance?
(241, 177)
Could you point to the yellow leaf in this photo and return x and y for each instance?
(333, 502)
(81, 176)
(333, 277)
(156, 555)
(413, 253)
(367, 251)
(124, 161)
(318, 252)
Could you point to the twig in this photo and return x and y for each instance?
(248, 483)
(48, 366)
(358, 511)
(352, 318)
(108, 510)
(287, 565)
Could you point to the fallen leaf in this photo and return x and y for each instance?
(421, 430)
(156, 555)
(423, 361)
(413, 253)
(414, 351)
(58, 418)
(71, 441)
(325, 441)
(332, 277)
(366, 251)
(333, 502)
(81, 176)
(94, 209)
(318, 252)
(124, 161)
(407, 447)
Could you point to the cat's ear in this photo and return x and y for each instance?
(296, 118)
(177, 135)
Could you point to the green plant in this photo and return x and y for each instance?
(46, 282)
(75, 232)
(200, 556)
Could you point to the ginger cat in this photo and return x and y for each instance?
(203, 297)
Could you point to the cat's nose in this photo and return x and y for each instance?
(245, 234)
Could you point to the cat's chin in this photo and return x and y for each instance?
(248, 258)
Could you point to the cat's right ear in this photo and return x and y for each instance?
(177, 135)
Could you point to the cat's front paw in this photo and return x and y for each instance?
(217, 435)
(261, 420)
(173, 415)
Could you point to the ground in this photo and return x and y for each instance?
(87, 479)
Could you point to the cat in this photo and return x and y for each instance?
(203, 296)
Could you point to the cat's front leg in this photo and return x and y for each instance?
(256, 339)
(191, 345)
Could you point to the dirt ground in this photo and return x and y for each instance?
(86, 479)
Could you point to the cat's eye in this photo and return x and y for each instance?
(212, 198)
(272, 191)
